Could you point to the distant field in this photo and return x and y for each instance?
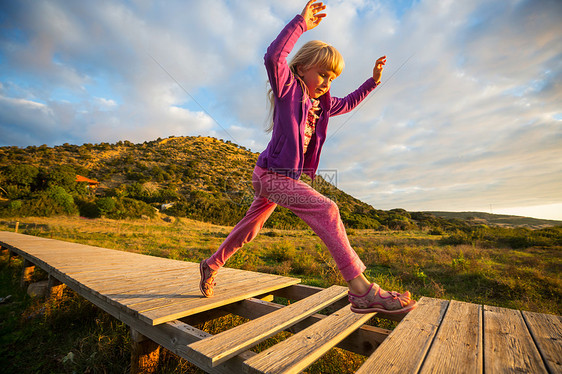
(425, 264)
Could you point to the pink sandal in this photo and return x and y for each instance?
(207, 283)
(373, 301)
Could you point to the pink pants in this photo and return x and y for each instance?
(319, 212)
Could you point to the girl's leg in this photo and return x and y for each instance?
(319, 212)
(248, 227)
(323, 216)
(243, 232)
(246, 230)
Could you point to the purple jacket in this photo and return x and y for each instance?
(285, 152)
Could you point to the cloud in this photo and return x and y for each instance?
(468, 114)
(463, 124)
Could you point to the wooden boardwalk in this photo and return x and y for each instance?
(160, 300)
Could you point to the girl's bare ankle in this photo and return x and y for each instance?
(361, 289)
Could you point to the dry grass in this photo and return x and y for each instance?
(526, 279)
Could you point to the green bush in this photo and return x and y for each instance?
(88, 208)
(20, 174)
(54, 201)
(16, 192)
(106, 205)
(15, 205)
(130, 208)
(62, 198)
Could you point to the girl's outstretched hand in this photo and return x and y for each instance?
(377, 70)
(311, 15)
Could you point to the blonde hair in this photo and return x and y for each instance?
(312, 53)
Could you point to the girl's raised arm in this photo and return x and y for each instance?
(311, 15)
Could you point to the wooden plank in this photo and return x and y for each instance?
(173, 335)
(161, 306)
(221, 347)
(301, 291)
(235, 282)
(362, 341)
(407, 345)
(109, 284)
(457, 347)
(508, 345)
(546, 330)
(198, 304)
(300, 350)
(123, 267)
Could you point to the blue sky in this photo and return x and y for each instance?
(469, 115)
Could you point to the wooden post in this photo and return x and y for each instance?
(27, 272)
(10, 255)
(17, 226)
(55, 288)
(145, 354)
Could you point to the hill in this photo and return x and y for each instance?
(501, 220)
(197, 177)
(201, 178)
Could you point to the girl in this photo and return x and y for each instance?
(302, 104)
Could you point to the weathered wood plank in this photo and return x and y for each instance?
(173, 335)
(154, 292)
(508, 345)
(301, 291)
(123, 284)
(221, 347)
(235, 282)
(457, 347)
(198, 304)
(407, 345)
(546, 330)
(300, 350)
(362, 341)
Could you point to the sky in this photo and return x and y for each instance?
(468, 116)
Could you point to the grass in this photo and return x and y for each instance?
(71, 335)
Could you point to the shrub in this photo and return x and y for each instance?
(63, 199)
(281, 252)
(105, 205)
(15, 205)
(21, 175)
(15, 192)
(88, 208)
(54, 201)
(130, 208)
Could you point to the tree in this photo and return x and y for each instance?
(22, 175)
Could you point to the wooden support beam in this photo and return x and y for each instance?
(145, 354)
(27, 272)
(213, 314)
(55, 288)
(7, 250)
